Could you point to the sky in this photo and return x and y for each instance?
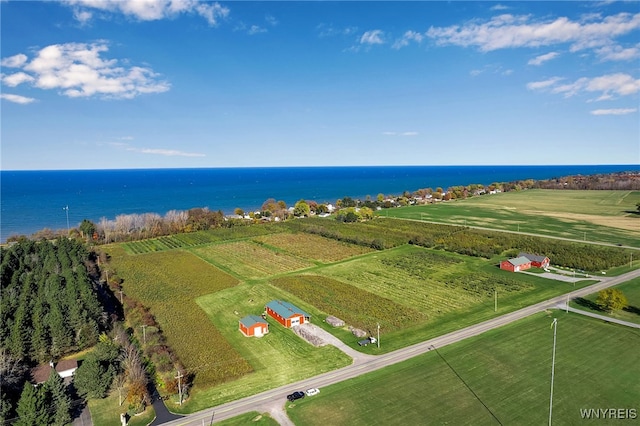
(106, 84)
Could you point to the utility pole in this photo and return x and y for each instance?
(120, 291)
(67, 210)
(144, 333)
(631, 261)
(378, 335)
(554, 324)
(179, 377)
(495, 296)
(567, 303)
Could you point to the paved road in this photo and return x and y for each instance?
(563, 306)
(273, 400)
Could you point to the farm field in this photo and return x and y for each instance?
(249, 260)
(631, 289)
(500, 377)
(278, 358)
(603, 216)
(168, 282)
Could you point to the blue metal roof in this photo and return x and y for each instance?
(285, 309)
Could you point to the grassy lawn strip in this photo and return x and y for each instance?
(167, 282)
(278, 358)
(503, 373)
(631, 289)
(106, 412)
(252, 418)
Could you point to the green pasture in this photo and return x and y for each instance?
(499, 377)
(278, 358)
(601, 216)
(631, 289)
(252, 418)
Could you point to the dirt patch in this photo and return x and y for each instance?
(309, 334)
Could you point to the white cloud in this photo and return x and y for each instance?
(499, 7)
(16, 98)
(15, 61)
(326, 30)
(539, 85)
(78, 70)
(255, 29)
(408, 37)
(166, 152)
(372, 37)
(618, 53)
(614, 111)
(609, 86)
(149, 10)
(539, 60)
(509, 31)
(13, 80)
(400, 133)
(271, 20)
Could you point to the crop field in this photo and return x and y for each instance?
(193, 239)
(167, 283)
(431, 282)
(278, 358)
(356, 306)
(604, 216)
(313, 247)
(249, 260)
(500, 377)
(631, 290)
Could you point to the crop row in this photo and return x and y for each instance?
(356, 306)
(313, 246)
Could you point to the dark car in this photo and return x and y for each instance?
(295, 395)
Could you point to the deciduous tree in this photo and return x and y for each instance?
(611, 299)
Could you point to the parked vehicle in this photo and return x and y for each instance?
(312, 391)
(368, 340)
(296, 395)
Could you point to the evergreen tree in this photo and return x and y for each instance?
(31, 407)
(58, 400)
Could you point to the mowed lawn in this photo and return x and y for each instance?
(603, 216)
(499, 377)
(278, 358)
(631, 290)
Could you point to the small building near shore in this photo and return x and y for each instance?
(536, 261)
(286, 314)
(254, 326)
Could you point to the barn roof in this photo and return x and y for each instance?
(533, 257)
(41, 373)
(285, 309)
(251, 320)
(66, 365)
(517, 261)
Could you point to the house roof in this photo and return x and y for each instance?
(41, 373)
(533, 257)
(518, 261)
(285, 309)
(66, 365)
(251, 320)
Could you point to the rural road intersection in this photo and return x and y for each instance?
(273, 401)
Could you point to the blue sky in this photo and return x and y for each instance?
(148, 84)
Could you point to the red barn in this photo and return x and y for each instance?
(253, 325)
(536, 261)
(515, 265)
(286, 314)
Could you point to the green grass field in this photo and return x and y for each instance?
(500, 377)
(631, 289)
(603, 216)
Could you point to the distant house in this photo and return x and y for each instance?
(536, 261)
(64, 368)
(286, 314)
(253, 325)
(516, 264)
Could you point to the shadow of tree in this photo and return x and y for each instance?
(632, 309)
(588, 304)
